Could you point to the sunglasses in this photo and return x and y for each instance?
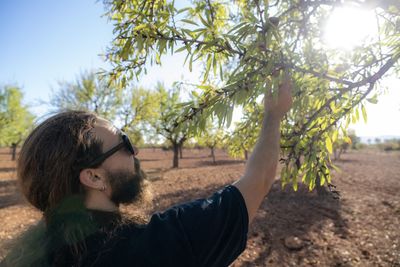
(126, 143)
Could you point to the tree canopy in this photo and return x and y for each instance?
(243, 45)
(138, 112)
(87, 92)
(212, 137)
(133, 108)
(15, 119)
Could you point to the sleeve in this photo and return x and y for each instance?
(205, 232)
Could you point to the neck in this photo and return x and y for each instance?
(98, 200)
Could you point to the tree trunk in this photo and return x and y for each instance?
(213, 154)
(175, 162)
(14, 151)
(246, 156)
(180, 151)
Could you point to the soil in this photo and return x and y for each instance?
(301, 228)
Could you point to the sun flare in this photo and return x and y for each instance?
(347, 27)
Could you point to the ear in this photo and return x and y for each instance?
(90, 178)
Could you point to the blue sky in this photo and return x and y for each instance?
(45, 41)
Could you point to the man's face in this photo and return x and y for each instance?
(121, 170)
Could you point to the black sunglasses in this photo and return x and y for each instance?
(126, 143)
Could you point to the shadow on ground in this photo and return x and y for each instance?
(150, 160)
(7, 169)
(285, 215)
(218, 163)
(9, 194)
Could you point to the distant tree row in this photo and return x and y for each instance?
(148, 116)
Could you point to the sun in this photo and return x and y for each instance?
(347, 27)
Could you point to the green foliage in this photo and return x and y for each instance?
(244, 136)
(169, 102)
(354, 139)
(241, 44)
(135, 108)
(212, 136)
(340, 145)
(88, 92)
(15, 118)
(138, 112)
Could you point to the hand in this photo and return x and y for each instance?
(280, 105)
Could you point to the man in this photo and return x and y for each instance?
(77, 168)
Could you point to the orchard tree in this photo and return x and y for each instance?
(243, 44)
(134, 108)
(176, 134)
(340, 146)
(88, 92)
(137, 112)
(244, 136)
(15, 119)
(354, 139)
(212, 137)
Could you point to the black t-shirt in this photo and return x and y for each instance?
(205, 232)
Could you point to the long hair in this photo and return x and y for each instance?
(51, 158)
(48, 168)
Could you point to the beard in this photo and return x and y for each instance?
(126, 187)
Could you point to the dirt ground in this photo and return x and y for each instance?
(362, 228)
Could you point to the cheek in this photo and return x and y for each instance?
(122, 161)
(127, 160)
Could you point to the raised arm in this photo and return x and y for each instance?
(261, 167)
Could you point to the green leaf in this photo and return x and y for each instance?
(322, 180)
(304, 178)
(163, 45)
(229, 116)
(183, 10)
(336, 168)
(334, 136)
(208, 66)
(190, 22)
(364, 113)
(372, 100)
(191, 62)
(126, 48)
(294, 182)
(158, 60)
(215, 64)
(237, 27)
(353, 118)
(328, 144)
(181, 49)
(140, 27)
(311, 185)
(205, 23)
